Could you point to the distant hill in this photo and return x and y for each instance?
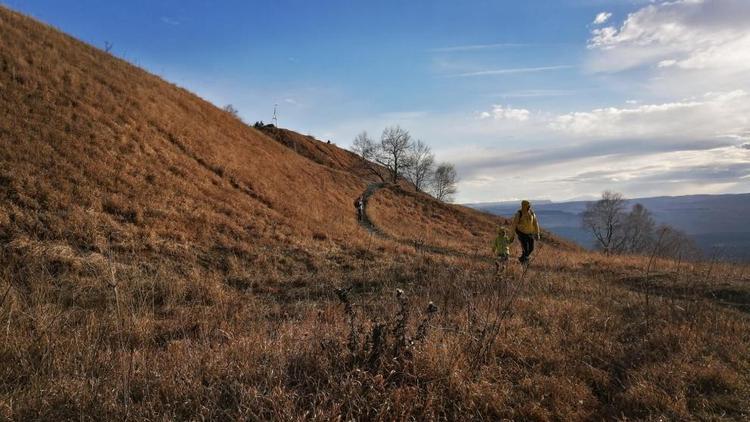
(718, 223)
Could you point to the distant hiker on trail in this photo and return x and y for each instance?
(526, 226)
(501, 249)
(359, 204)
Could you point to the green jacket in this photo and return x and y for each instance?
(501, 246)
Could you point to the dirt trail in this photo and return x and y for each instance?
(365, 221)
(368, 224)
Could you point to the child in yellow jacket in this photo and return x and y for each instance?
(501, 249)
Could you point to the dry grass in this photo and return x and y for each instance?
(162, 261)
(576, 337)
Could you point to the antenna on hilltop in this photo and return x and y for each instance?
(275, 120)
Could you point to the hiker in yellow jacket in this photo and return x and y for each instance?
(526, 226)
(501, 248)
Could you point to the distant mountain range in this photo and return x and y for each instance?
(720, 224)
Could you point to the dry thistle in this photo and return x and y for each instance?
(402, 319)
(353, 340)
(343, 295)
(422, 329)
(431, 308)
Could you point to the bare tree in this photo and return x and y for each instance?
(639, 230)
(634, 232)
(676, 243)
(368, 150)
(394, 147)
(444, 182)
(364, 146)
(605, 219)
(232, 110)
(420, 165)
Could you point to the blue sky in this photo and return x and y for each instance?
(539, 99)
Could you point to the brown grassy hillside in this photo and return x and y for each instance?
(160, 260)
(97, 154)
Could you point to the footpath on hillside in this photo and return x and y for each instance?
(368, 224)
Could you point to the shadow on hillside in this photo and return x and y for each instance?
(675, 286)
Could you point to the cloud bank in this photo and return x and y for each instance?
(686, 34)
(677, 76)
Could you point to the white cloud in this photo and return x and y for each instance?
(401, 116)
(603, 37)
(695, 169)
(474, 47)
(500, 112)
(666, 63)
(622, 122)
(687, 34)
(711, 116)
(692, 145)
(564, 173)
(170, 21)
(602, 18)
(509, 71)
(535, 93)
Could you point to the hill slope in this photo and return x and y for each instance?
(97, 154)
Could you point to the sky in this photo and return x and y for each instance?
(540, 99)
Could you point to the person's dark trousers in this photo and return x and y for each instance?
(527, 243)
